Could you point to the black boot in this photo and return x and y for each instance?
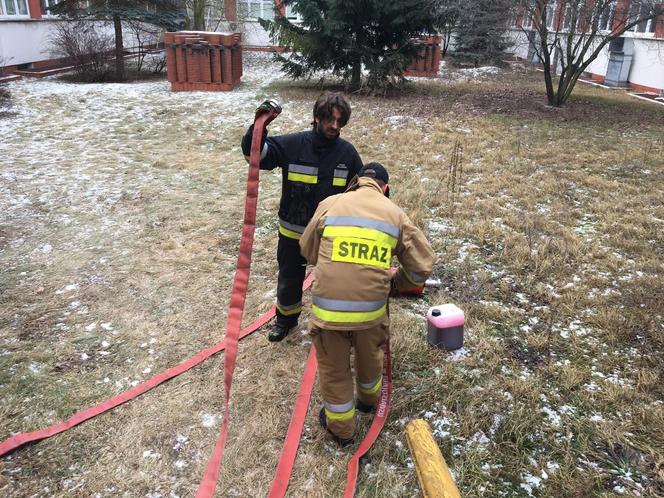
(343, 442)
(363, 407)
(279, 332)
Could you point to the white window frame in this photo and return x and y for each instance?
(606, 21)
(567, 17)
(17, 3)
(260, 7)
(550, 9)
(527, 17)
(47, 4)
(292, 16)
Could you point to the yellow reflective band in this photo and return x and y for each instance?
(361, 252)
(347, 316)
(360, 233)
(340, 417)
(299, 177)
(339, 182)
(289, 233)
(289, 312)
(372, 390)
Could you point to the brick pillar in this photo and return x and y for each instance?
(181, 58)
(215, 58)
(205, 67)
(281, 8)
(226, 60)
(171, 68)
(622, 11)
(193, 69)
(230, 10)
(659, 27)
(35, 9)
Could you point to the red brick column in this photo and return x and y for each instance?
(230, 10)
(215, 58)
(227, 60)
(282, 8)
(171, 67)
(193, 64)
(181, 58)
(35, 9)
(659, 27)
(205, 66)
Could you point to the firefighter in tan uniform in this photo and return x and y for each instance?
(351, 240)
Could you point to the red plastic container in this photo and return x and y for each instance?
(445, 326)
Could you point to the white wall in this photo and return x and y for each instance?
(22, 42)
(647, 67)
(29, 41)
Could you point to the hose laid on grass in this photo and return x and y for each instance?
(229, 346)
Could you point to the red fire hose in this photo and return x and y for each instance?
(238, 295)
(229, 346)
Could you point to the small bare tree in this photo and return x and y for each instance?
(84, 47)
(448, 15)
(570, 34)
(204, 15)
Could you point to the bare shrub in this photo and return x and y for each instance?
(84, 47)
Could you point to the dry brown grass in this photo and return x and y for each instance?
(553, 248)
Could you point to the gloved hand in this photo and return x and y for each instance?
(267, 106)
(411, 291)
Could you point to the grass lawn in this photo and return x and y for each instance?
(120, 216)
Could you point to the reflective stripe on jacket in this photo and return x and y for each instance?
(351, 239)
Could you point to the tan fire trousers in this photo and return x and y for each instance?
(335, 379)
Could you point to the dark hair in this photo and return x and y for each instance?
(326, 102)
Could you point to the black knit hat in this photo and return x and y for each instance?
(375, 170)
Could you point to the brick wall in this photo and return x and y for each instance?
(203, 61)
(428, 59)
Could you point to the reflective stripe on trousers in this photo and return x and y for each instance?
(290, 230)
(291, 309)
(339, 412)
(371, 387)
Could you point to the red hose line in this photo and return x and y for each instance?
(238, 296)
(292, 441)
(376, 426)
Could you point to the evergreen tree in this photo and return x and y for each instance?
(345, 35)
(480, 31)
(162, 13)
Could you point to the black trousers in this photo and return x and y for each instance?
(292, 267)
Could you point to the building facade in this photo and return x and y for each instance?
(635, 60)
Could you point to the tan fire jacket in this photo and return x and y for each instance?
(351, 239)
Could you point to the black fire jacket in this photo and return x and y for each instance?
(313, 168)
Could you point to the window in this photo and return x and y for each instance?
(513, 15)
(606, 17)
(253, 9)
(290, 14)
(550, 12)
(638, 11)
(567, 21)
(48, 4)
(13, 8)
(528, 13)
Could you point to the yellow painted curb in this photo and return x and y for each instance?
(435, 478)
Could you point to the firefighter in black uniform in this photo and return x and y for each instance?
(315, 165)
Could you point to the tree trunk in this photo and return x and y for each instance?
(119, 49)
(199, 15)
(356, 75)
